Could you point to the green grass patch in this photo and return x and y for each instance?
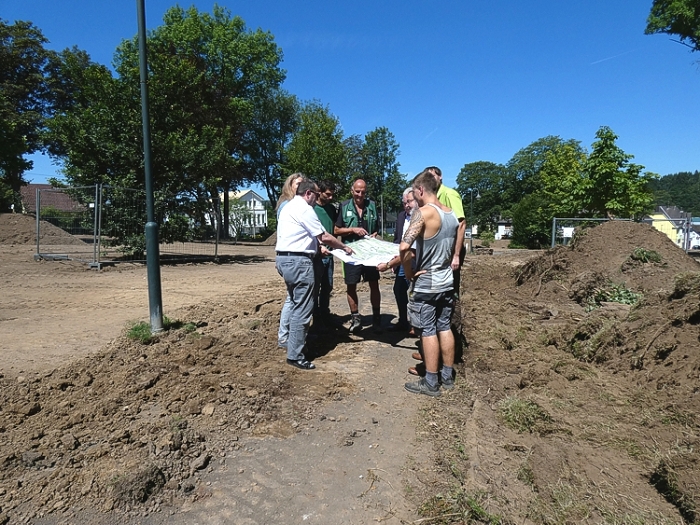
(523, 415)
(458, 507)
(141, 331)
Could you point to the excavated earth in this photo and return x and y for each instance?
(577, 400)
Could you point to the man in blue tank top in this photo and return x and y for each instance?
(433, 228)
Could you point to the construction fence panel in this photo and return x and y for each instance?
(679, 231)
(106, 225)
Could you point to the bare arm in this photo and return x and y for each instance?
(349, 231)
(327, 239)
(459, 243)
(415, 229)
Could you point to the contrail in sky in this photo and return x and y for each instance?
(610, 58)
(428, 136)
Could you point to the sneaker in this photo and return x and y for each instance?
(376, 323)
(422, 387)
(447, 384)
(355, 323)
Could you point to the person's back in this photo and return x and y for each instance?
(434, 254)
(434, 227)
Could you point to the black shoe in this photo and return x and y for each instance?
(301, 363)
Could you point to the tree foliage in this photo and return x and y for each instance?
(530, 225)
(25, 103)
(274, 122)
(483, 187)
(208, 74)
(560, 179)
(240, 216)
(678, 189)
(317, 149)
(564, 190)
(676, 17)
(379, 167)
(615, 186)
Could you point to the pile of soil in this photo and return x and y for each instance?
(19, 229)
(577, 399)
(270, 241)
(134, 426)
(583, 386)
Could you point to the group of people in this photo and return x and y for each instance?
(430, 232)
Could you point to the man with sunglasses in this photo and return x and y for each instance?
(299, 233)
(357, 219)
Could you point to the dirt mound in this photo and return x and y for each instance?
(113, 430)
(270, 241)
(577, 401)
(18, 228)
(583, 366)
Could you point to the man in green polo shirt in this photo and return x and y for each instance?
(327, 214)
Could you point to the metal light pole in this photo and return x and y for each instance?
(155, 298)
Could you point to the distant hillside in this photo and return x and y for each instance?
(679, 189)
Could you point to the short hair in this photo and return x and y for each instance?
(326, 185)
(435, 169)
(427, 181)
(406, 192)
(307, 185)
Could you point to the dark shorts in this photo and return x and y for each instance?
(353, 273)
(430, 313)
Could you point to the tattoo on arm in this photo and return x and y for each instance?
(415, 228)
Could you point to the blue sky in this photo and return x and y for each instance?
(456, 81)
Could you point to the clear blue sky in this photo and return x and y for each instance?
(456, 81)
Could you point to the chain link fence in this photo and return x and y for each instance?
(105, 225)
(678, 230)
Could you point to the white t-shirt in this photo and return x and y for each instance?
(298, 227)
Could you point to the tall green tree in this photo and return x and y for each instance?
(380, 168)
(564, 190)
(25, 103)
(483, 186)
(205, 73)
(353, 151)
(557, 188)
(275, 120)
(676, 17)
(618, 188)
(525, 167)
(317, 149)
(530, 224)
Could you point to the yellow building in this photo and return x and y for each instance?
(671, 221)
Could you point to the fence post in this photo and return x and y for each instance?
(95, 211)
(38, 222)
(554, 232)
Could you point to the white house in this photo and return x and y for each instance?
(255, 216)
(505, 229)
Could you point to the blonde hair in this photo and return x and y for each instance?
(287, 188)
